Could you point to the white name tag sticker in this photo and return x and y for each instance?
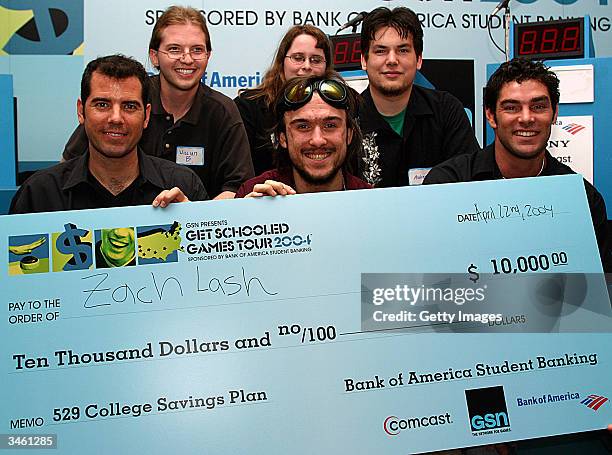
(190, 156)
(417, 175)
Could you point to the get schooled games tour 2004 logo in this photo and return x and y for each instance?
(78, 248)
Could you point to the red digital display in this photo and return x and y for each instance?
(346, 51)
(550, 40)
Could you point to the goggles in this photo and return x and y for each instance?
(331, 91)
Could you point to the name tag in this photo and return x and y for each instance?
(190, 156)
(417, 175)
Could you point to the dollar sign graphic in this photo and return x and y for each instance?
(69, 242)
(474, 275)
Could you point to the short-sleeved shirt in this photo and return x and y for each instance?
(258, 122)
(435, 129)
(71, 186)
(211, 131)
(482, 166)
(286, 176)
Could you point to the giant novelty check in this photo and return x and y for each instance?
(239, 326)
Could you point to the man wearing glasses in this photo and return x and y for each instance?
(407, 129)
(190, 124)
(317, 133)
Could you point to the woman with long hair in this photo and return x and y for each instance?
(304, 51)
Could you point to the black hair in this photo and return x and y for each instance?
(402, 19)
(117, 67)
(519, 70)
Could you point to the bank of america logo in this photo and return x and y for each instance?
(594, 402)
(573, 128)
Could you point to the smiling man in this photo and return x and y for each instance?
(316, 132)
(113, 109)
(521, 104)
(190, 124)
(407, 129)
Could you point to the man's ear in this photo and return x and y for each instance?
(282, 140)
(364, 63)
(556, 113)
(153, 57)
(491, 118)
(419, 62)
(80, 111)
(147, 115)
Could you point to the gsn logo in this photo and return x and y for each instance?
(497, 420)
(487, 410)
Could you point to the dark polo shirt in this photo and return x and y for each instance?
(435, 128)
(286, 176)
(213, 122)
(70, 186)
(482, 166)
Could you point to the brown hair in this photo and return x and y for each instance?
(274, 77)
(281, 155)
(178, 15)
(402, 19)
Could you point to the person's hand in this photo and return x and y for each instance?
(169, 196)
(610, 428)
(271, 188)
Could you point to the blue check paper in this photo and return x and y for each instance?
(236, 326)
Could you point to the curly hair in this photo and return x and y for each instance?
(519, 70)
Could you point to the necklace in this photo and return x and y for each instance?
(541, 168)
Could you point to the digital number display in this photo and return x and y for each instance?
(346, 51)
(550, 40)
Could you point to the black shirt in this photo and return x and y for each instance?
(482, 166)
(258, 122)
(435, 128)
(71, 186)
(213, 122)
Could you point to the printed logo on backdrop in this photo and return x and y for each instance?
(594, 402)
(546, 399)
(41, 27)
(76, 248)
(487, 410)
(571, 143)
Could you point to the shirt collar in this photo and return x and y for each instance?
(417, 107)
(192, 114)
(79, 172)
(485, 165)
(148, 172)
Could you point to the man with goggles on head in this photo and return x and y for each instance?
(316, 133)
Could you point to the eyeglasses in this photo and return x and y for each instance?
(197, 53)
(331, 91)
(300, 59)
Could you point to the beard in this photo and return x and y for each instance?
(317, 180)
(392, 91)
